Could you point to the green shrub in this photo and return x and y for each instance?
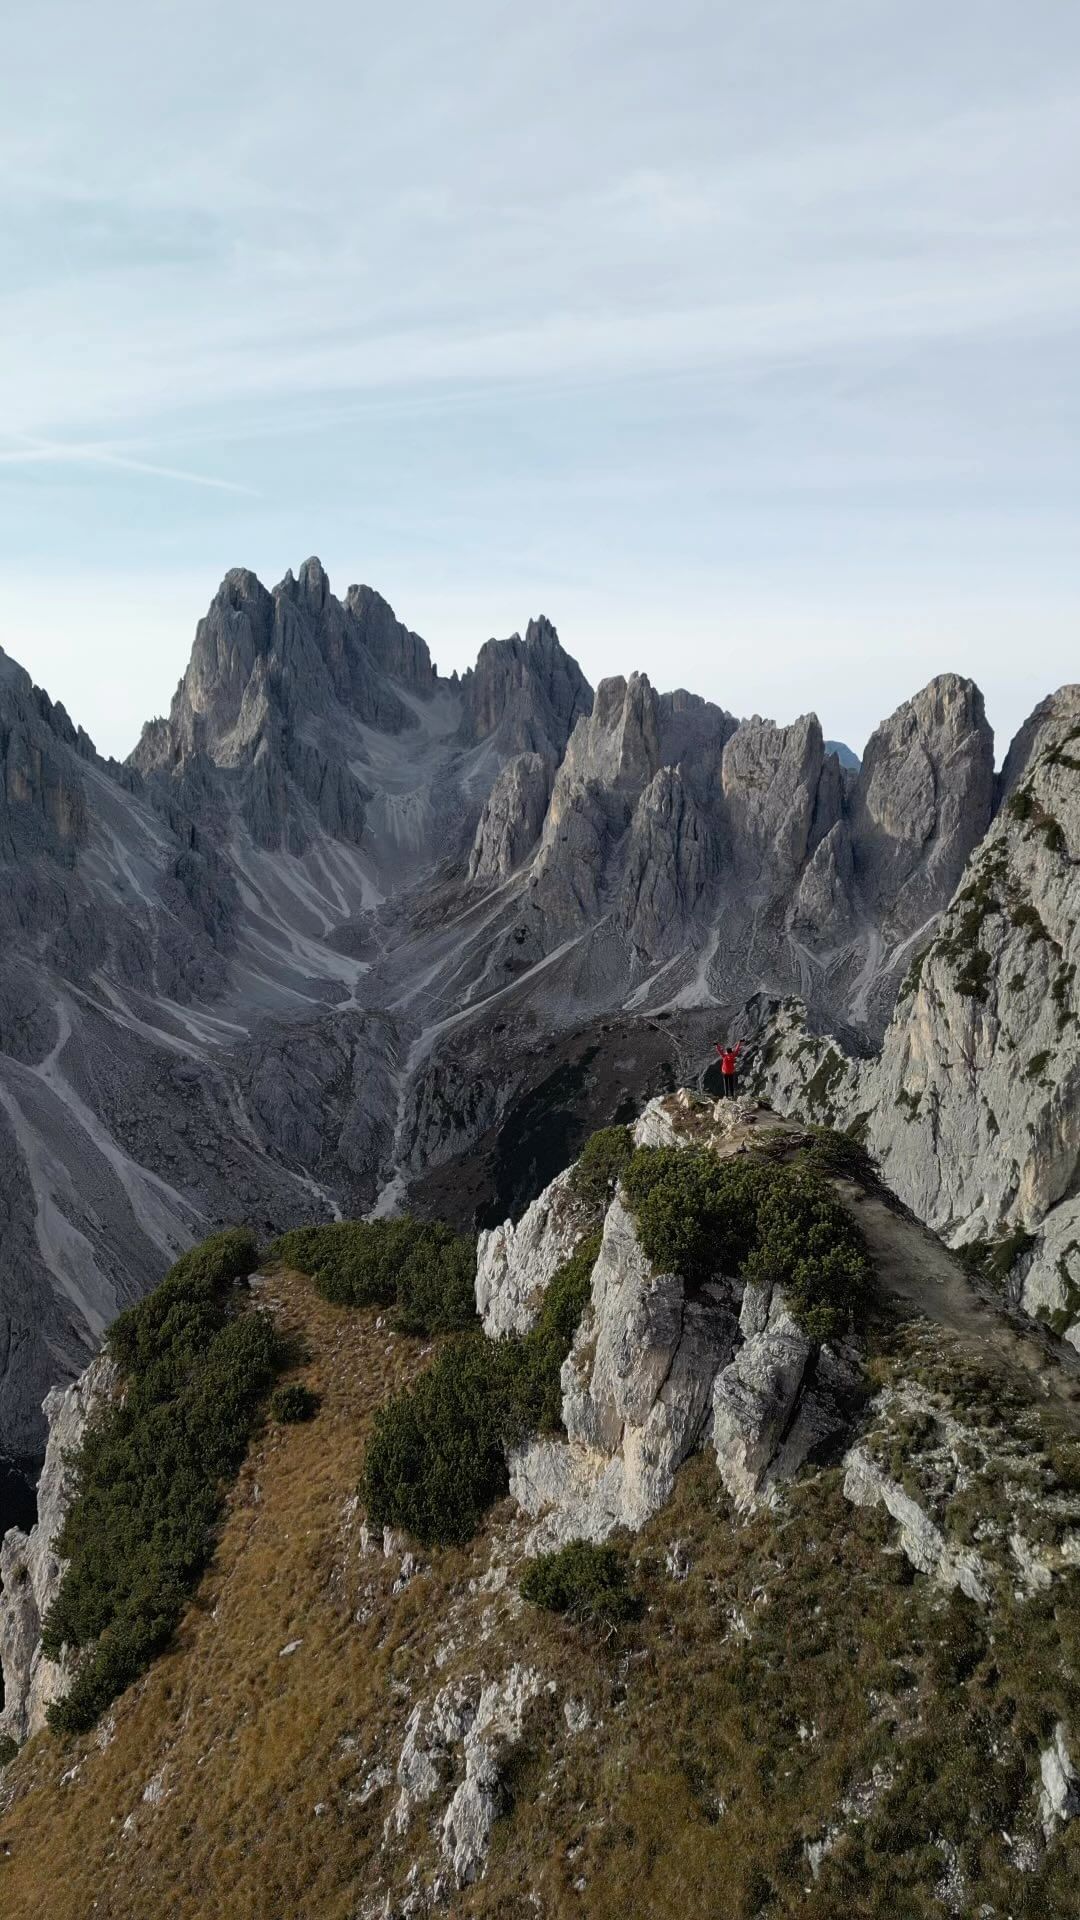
(532, 1365)
(994, 1260)
(8, 1749)
(696, 1215)
(437, 1458)
(587, 1583)
(602, 1161)
(151, 1471)
(422, 1268)
(293, 1403)
(699, 1216)
(808, 1243)
(1028, 918)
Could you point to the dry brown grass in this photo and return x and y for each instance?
(714, 1753)
(247, 1742)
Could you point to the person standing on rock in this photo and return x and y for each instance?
(729, 1068)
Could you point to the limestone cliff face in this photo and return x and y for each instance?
(973, 1104)
(43, 807)
(512, 817)
(726, 855)
(525, 694)
(30, 1570)
(324, 928)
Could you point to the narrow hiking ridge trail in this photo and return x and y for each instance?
(916, 1273)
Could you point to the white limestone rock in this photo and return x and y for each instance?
(516, 1264)
(1059, 1796)
(755, 1395)
(636, 1395)
(924, 1543)
(30, 1569)
(494, 1732)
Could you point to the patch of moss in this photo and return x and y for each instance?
(1036, 1066)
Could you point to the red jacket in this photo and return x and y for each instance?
(729, 1058)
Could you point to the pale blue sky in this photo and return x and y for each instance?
(739, 339)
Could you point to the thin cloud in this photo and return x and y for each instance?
(53, 453)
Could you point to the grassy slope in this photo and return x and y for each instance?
(799, 1652)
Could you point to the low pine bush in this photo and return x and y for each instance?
(421, 1268)
(294, 1403)
(699, 1216)
(808, 1243)
(587, 1583)
(152, 1469)
(437, 1458)
(602, 1160)
(696, 1215)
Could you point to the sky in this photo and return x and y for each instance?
(739, 339)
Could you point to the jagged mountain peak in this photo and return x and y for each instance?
(526, 693)
(1049, 722)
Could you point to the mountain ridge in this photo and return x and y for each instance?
(332, 925)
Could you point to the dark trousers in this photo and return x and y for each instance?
(730, 1084)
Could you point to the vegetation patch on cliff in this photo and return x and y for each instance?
(152, 1469)
(437, 1458)
(421, 1268)
(700, 1216)
(587, 1583)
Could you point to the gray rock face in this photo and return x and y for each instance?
(481, 1723)
(515, 1264)
(1059, 1797)
(265, 970)
(923, 799)
(636, 1390)
(755, 1395)
(653, 1370)
(973, 1103)
(526, 694)
(512, 817)
(31, 1572)
(924, 1544)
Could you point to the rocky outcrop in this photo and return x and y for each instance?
(973, 1103)
(515, 1264)
(656, 1367)
(1059, 1797)
(30, 1570)
(495, 1731)
(479, 1723)
(923, 1543)
(512, 816)
(923, 800)
(526, 695)
(755, 1395)
(635, 1395)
